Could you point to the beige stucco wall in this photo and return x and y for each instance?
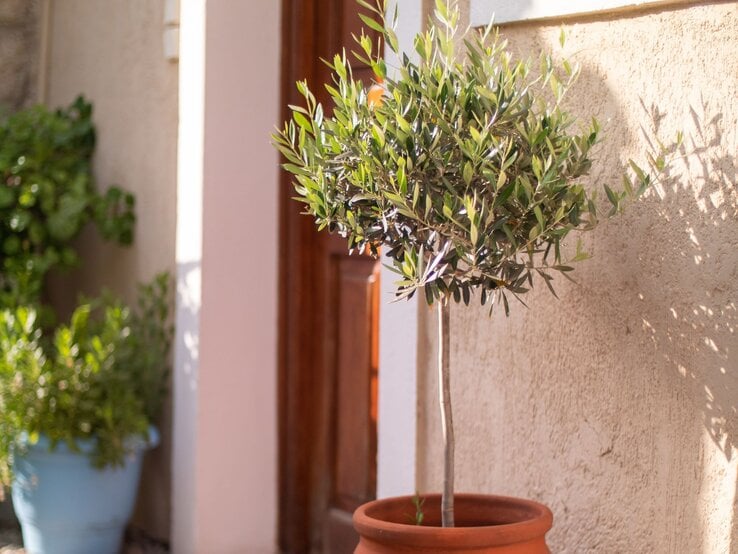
(617, 405)
(18, 52)
(112, 52)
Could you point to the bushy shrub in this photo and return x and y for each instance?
(101, 377)
(47, 195)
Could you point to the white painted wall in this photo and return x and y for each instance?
(397, 422)
(225, 478)
(398, 323)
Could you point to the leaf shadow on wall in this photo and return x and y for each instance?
(701, 343)
(699, 339)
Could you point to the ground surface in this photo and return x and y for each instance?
(136, 543)
(9, 541)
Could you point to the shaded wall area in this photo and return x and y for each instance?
(19, 46)
(617, 405)
(112, 52)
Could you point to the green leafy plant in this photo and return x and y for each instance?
(469, 173)
(100, 377)
(47, 195)
(418, 502)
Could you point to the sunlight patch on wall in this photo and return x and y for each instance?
(716, 504)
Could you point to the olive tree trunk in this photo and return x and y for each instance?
(447, 424)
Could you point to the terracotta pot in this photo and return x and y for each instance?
(485, 524)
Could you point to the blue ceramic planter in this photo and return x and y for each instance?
(66, 506)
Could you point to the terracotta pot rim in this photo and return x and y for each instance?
(537, 523)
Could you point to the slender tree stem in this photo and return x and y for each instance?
(447, 423)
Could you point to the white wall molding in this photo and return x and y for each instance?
(170, 34)
(506, 11)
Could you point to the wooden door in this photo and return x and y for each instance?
(329, 305)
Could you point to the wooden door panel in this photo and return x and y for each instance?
(354, 451)
(353, 446)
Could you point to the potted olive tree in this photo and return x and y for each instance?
(469, 174)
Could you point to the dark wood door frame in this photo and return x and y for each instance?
(296, 446)
(307, 27)
(328, 328)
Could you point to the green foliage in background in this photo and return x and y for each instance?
(101, 377)
(469, 173)
(47, 195)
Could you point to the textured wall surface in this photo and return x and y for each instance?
(112, 52)
(18, 52)
(617, 405)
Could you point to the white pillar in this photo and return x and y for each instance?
(225, 377)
